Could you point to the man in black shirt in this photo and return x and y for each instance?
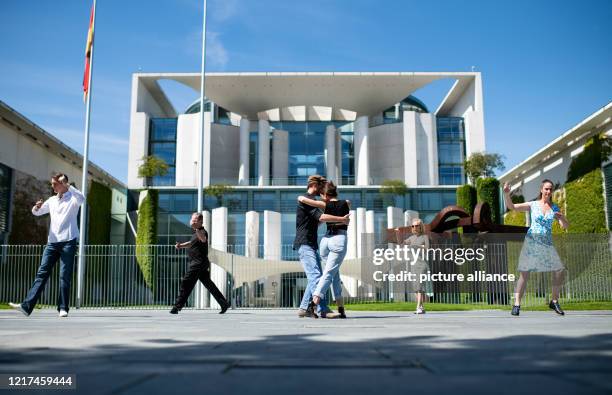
(306, 224)
(199, 266)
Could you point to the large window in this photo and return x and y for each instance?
(451, 150)
(5, 199)
(162, 143)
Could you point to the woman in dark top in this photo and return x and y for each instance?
(332, 246)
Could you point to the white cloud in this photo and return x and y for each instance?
(216, 53)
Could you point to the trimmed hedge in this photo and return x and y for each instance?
(596, 151)
(146, 235)
(488, 191)
(466, 198)
(517, 218)
(585, 204)
(99, 201)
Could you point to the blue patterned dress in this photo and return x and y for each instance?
(538, 253)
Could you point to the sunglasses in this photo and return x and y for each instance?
(416, 226)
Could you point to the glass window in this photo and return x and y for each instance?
(162, 143)
(253, 157)
(451, 150)
(265, 201)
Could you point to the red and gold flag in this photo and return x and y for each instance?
(90, 38)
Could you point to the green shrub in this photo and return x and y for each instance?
(516, 218)
(596, 151)
(99, 201)
(146, 235)
(466, 198)
(488, 191)
(585, 204)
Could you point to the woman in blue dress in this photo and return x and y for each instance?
(538, 253)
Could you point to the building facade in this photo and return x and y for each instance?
(29, 156)
(553, 160)
(265, 133)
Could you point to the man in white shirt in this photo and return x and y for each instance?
(63, 208)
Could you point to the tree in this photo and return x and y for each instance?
(217, 191)
(482, 164)
(152, 166)
(391, 188)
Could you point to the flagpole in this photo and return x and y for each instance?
(83, 224)
(200, 289)
(202, 91)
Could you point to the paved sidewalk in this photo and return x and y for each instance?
(273, 351)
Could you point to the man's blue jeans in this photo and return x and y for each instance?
(311, 261)
(63, 251)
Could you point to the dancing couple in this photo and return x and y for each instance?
(310, 212)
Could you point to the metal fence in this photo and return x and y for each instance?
(127, 276)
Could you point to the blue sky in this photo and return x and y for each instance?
(546, 64)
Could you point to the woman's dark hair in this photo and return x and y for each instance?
(330, 189)
(545, 181)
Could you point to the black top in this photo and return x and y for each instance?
(198, 251)
(338, 208)
(306, 224)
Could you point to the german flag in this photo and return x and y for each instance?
(90, 38)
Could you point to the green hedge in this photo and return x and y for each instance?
(585, 204)
(488, 191)
(516, 218)
(466, 198)
(596, 151)
(146, 235)
(99, 201)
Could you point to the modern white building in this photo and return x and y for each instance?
(553, 160)
(265, 133)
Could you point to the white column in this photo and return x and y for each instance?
(218, 242)
(202, 296)
(206, 147)
(351, 237)
(338, 158)
(272, 235)
(252, 234)
(361, 230)
(244, 170)
(410, 149)
(395, 217)
(431, 131)
(362, 162)
(280, 157)
(409, 215)
(330, 153)
(264, 152)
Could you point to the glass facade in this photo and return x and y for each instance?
(395, 114)
(451, 150)
(175, 208)
(5, 199)
(162, 143)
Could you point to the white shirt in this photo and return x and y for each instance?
(63, 214)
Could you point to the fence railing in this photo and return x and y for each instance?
(127, 276)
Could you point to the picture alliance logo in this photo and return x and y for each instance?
(413, 255)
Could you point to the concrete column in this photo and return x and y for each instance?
(206, 147)
(264, 153)
(431, 131)
(395, 217)
(252, 234)
(360, 218)
(218, 242)
(272, 235)
(410, 149)
(330, 153)
(362, 162)
(280, 157)
(244, 170)
(202, 296)
(351, 237)
(338, 158)
(409, 215)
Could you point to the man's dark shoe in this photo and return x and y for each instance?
(554, 305)
(175, 310)
(307, 314)
(516, 310)
(224, 308)
(341, 311)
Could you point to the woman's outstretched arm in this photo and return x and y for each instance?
(508, 200)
